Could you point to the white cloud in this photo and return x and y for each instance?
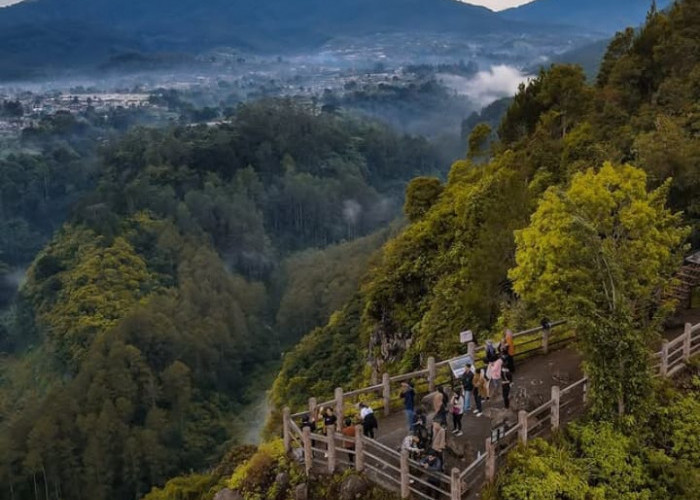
(497, 4)
(486, 86)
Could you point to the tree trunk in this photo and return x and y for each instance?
(46, 483)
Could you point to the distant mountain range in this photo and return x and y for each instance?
(51, 33)
(605, 16)
(43, 36)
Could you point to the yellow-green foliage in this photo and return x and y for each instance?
(98, 283)
(194, 487)
(542, 472)
(444, 273)
(448, 270)
(601, 253)
(255, 479)
(659, 459)
(605, 243)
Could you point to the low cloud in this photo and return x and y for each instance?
(351, 212)
(487, 86)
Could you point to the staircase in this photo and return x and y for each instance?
(688, 278)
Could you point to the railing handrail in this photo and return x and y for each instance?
(668, 366)
(574, 385)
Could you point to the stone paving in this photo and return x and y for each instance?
(532, 383)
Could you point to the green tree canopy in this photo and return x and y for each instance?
(602, 252)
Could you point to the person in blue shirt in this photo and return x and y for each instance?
(408, 394)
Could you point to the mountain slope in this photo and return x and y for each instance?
(28, 29)
(602, 16)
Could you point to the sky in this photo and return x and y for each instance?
(491, 4)
(496, 4)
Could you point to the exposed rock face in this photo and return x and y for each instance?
(227, 494)
(301, 492)
(387, 345)
(282, 481)
(354, 487)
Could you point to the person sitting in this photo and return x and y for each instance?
(349, 438)
(411, 444)
(433, 463)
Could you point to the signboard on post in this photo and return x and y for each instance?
(498, 432)
(466, 337)
(459, 365)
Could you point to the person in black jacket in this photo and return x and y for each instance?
(506, 381)
(468, 385)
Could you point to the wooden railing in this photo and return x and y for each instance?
(395, 470)
(527, 344)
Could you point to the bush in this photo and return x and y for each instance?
(256, 478)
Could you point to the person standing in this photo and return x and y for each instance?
(494, 374)
(439, 442)
(506, 382)
(369, 421)
(508, 359)
(440, 405)
(468, 386)
(329, 421)
(491, 357)
(457, 409)
(479, 389)
(408, 394)
(508, 342)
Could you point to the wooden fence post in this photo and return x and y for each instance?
(432, 373)
(339, 405)
(286, 436)
(490, 460)
(312, 408)
(308, 453)
(545, 340)
(522, 422)
(556, 395)
(456, 484)
(664, 358)
(359, 449)
(686, 341)
(405, 480)
(386, 392)
(330, 434)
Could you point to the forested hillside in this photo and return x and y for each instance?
(175, 281)
(149, 311)
(449, 269)
(583, 208)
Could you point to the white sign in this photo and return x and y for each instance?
(466, 337)
(459, 365)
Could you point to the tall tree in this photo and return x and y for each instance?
(601, 253)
